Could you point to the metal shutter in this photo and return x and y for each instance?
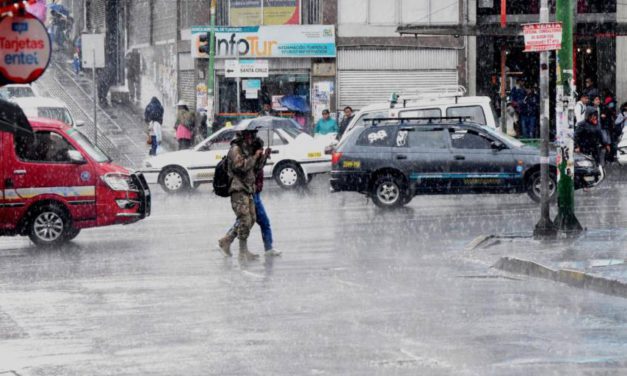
(363, 87)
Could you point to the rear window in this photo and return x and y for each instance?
(16, 92)
(475, 113)
(420, 139)
(376, 136)
(425, 112)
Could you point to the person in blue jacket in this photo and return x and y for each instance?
(326, 125)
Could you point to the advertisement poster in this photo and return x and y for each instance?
(264, 12)
(321, 99)
(201, 96)
(291, 41)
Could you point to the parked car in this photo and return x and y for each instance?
(392, 160)
(54, 182)
(47, 108)
(296, 157)
(12, 91)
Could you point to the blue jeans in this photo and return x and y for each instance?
(528, 125)
(262, 220)
(153, 145)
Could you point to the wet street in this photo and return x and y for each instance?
(357, 292)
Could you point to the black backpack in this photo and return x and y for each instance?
(221, 179)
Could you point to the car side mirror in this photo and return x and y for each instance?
(79, 123)
(76, 157)
(498, 145)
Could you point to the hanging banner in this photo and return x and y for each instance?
(264, 12)
(292, 41)
(24, 49)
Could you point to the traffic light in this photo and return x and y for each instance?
(203, 46)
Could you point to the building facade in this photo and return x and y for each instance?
(374, 61)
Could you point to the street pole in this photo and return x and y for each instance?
(566, 221)
(95, 94)
(210, 70)
(544, 228)
(503, 91)
(238, 80)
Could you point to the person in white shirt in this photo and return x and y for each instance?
(580, 108)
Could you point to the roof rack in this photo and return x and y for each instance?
(431, 93)
(429, 120)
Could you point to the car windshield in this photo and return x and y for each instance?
(510, 140)
(55, 113)
(94, 151)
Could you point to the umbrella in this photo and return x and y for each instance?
(295, 103)
(12, 118)
(59, 8)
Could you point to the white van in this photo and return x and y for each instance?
(47, 108)
(444, 101)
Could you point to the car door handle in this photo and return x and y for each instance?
(459, 157)
(275, 152)
(401, 156)
(19, 172)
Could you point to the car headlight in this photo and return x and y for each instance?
(117, 182)
(585, 163)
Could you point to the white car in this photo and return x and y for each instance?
(12, 91)
(47, 108)
(296, 157)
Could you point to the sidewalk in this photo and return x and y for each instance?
(595, 260)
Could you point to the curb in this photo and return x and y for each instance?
(572, 278)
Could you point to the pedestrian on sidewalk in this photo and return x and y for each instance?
(184, 125)
(154, 132)
(154, 111)
(326, 125)
(261, 215)
(242, 164)
(589, 138)
(348, 117)
(529, 113)
(267, 110)
(580, 108)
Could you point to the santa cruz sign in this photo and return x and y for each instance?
(24, 49)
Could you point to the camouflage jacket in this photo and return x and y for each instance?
(242, 167)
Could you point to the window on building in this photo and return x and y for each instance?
(312, 12)
(391, 12)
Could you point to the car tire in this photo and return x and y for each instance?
(174, 180)
(49, 226)
(71, 233)
(533, 187)
(389, 192)
(289, 175)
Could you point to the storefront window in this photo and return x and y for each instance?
(251, 102)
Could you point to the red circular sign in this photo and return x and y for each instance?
(24, 49)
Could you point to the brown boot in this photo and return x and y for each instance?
(224, 244)
(244, 253)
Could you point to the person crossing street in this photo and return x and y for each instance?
(243, 163)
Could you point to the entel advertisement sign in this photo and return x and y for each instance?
(24, 49)
(287, 41)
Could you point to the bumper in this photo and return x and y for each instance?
(588, 177)
(313, 168)
(351, 181)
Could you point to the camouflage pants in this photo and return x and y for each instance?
(244, 209)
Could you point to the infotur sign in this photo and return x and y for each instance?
(288, 41)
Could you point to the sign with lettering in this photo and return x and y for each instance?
(246, 68)
(261, 42)
(543, 37)
(24, 49)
